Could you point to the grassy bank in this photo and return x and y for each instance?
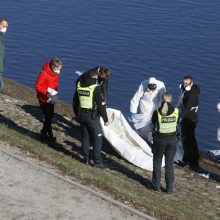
(118, 186)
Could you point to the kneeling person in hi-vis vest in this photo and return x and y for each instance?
(164, 121)
(88, 107)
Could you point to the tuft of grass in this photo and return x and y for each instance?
(117, 186)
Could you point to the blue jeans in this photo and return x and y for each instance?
(1, 83)
(165, 145)
(91, 128)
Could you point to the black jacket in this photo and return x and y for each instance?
(101, 109)
(190, 103)
(102, 82)
(155, 121)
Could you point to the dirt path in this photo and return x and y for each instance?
(30, 193)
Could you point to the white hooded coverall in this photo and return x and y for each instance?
(147, 100)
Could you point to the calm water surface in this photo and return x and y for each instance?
(136, 39)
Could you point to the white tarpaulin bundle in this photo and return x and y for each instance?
(126, 141)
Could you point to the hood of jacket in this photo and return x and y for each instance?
(47, 69)
(87, 81)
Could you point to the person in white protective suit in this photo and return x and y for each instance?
(147, 98)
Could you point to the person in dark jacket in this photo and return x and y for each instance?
(164, 121)
(47, 86)
(88, 107)
(189, 104)
(103, 79)
(3, 29)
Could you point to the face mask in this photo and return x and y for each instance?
(57, 71)
(188, 87)
(4, 29)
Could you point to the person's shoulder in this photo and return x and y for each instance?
(160, 84)
(144, 84)
(98, 88)
(85, 75)
(195, 88)
(172, 109)
(43, 73)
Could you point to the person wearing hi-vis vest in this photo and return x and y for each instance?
(88, 107)
(164, 121)
(103, 79)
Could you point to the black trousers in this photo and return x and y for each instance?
(190, 146)
(91, 131)
(164, 146)
(48, 111)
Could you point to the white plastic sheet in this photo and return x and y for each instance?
(144, 126)
(214, 155)
(141, 120)
(126, 141)
(179, 151)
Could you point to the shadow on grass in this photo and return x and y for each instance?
(67, 126)
(34, 135)
(76, 150)
(120, 168)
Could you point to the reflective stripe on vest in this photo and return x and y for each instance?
(168, 123)
(85, 95)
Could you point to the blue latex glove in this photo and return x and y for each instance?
(132, 117)
(180, 120)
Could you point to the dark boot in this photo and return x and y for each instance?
(51, 137)
(43, 136)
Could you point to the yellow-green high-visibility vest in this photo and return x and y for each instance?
(168, 123)
(85, 95)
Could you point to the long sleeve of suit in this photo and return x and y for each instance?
(136, 99)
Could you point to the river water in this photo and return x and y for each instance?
(136, 39)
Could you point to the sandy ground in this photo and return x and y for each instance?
(30, 193)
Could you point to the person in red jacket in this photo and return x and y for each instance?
(47, 86)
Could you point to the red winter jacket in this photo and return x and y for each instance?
(47, 78)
